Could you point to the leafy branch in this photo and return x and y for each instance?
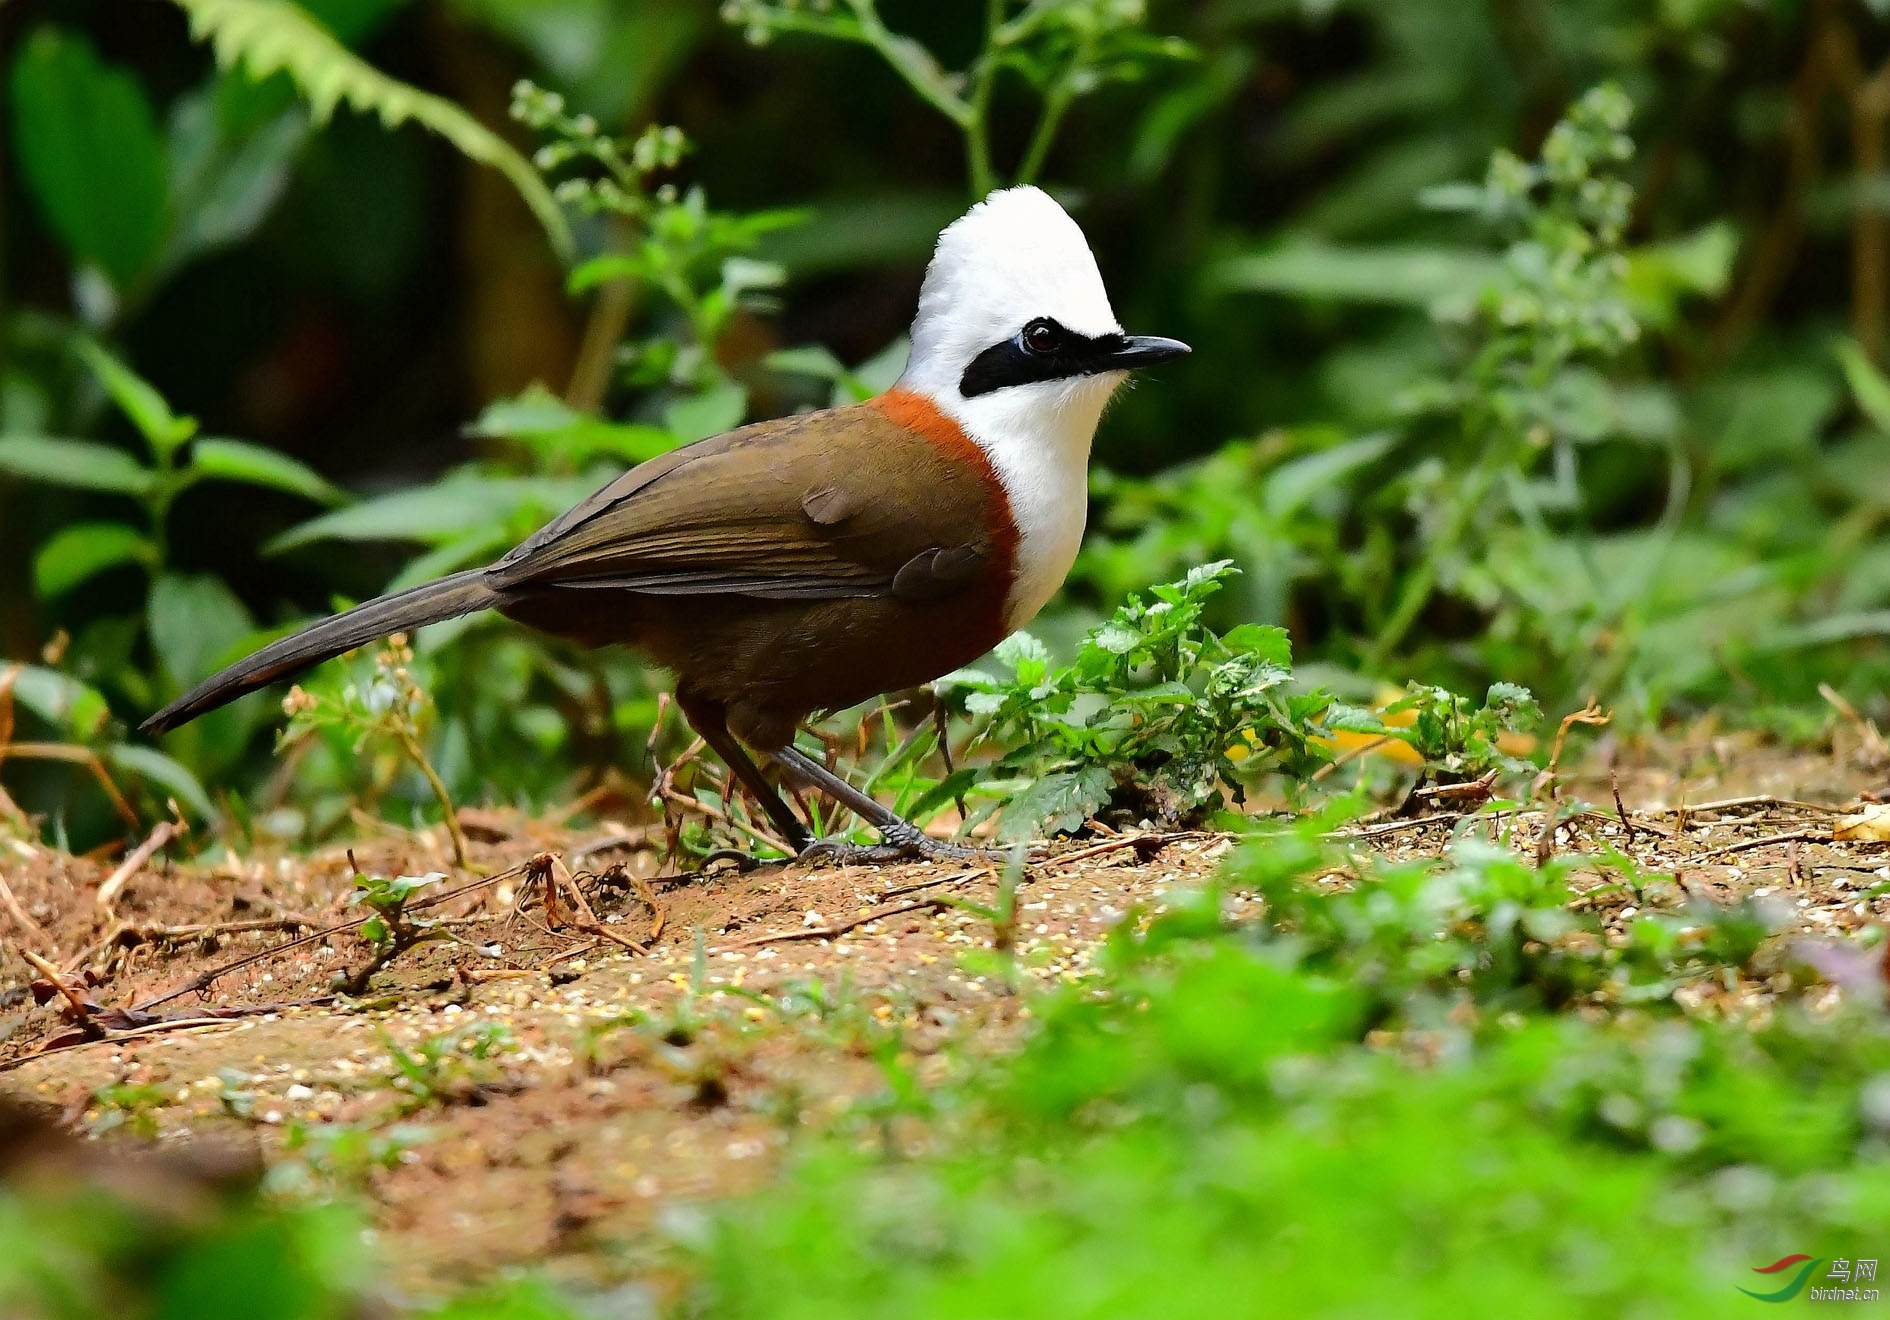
(275, 36)
(1064, 49)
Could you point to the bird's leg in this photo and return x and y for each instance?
(711, 721)
(902, 839)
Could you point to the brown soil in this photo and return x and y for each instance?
(644, 1080)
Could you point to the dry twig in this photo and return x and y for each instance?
(118, 879)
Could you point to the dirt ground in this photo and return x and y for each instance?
(564, 1147)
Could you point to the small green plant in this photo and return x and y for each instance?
(324, 1157)
(1063, 50)
(1151, 719)
(126, 1105)
(1465, 495)
(1525, 389)
(234, 1095)
(1001, 913)
(445, 1068)
(391, 705)
(663, 239)
(1458, 739)
(391, 929)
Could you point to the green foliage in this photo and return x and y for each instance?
(446, 1066)
(1062, 50)
(275, 36)
(90, 151)
(1472, 494)
(1148, 721)
(78, 1251)
(673, 243)
(189, 622)
(1455, 737)
(1232, 1106)
(391, 924)
(80, 552)
(324, 1158)
(134, 205)
(389, 707)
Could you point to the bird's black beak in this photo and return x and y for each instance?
(1143, 351)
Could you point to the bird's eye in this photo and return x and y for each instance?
(1041, 337)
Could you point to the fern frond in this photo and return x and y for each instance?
(270, 36)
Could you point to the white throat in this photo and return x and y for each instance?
(1038, 440)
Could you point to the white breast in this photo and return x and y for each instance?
(1038, 440)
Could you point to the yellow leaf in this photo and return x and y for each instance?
(1872, 825)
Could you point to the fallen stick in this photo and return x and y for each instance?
(1797, 836)
(1737, 803)
(117, 880)
(34, 931)
(842, 927)
(1154, 843)
(204, 980)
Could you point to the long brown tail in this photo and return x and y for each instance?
(434, 602)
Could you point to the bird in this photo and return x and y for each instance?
(815, 561)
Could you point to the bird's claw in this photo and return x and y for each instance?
(919, 847)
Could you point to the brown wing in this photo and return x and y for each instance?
(821, 506)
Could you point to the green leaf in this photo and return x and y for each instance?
(274, 36)
(865, 232)
(1058, 803)
(80, 464)
(1660, 275)
(135, 396)
(440, 513)
(946, 791)
(192, 621)
(718, 409)
(226, 178)
(1293, 484)
(1261, 641)
(62, 701)
(1400, 276)
(552, 428)
(155, 767)
(253, 465)
(82, 551)
(90, 152)
(480, 547)
(816, 360)
(1115, 637)
(1868, 385)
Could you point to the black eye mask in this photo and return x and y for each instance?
(1045, 350)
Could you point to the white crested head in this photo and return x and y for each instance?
(1013, 258)
(1016, 342)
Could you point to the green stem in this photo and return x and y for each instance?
(1419, 587)
(977, 128)
(913, 62)
(411, 746)
(1055, 104)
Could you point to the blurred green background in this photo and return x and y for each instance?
(1690, 518)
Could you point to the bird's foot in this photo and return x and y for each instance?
(905, 848)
